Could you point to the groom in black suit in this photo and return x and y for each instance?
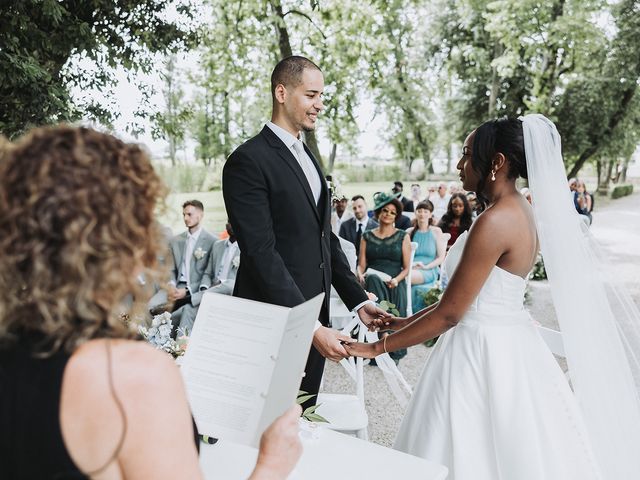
(278, 205)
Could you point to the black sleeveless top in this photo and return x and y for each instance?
(31, 444)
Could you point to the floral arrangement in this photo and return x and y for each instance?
(538, 272)
(430, 297)
(159, 335)
(433, 295)
(389, 307)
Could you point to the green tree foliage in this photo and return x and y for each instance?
(244, 41)
(237, 53)
(399, 78)
(575, 61)
(39, 39)
(171, 123)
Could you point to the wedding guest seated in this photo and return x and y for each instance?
(385, 253)
(476, 208)
(583, 201)
(353, 228)
(81, 397)
(440, 199)
(457, 219)
(416, 197)
(191, 274)
(407, 204)
(339, 214)
(428, 256)
(224, 262)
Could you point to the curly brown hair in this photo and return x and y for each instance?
(76, 227)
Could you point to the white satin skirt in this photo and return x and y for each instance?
(493, 404)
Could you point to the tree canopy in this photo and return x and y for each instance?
(40, 38)
(434, 70)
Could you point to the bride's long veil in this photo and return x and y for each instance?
(600, 324)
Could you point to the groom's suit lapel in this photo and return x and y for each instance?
(284, 152)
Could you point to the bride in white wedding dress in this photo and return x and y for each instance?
(492, 402)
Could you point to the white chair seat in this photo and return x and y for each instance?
(345, 413)
(340, 315)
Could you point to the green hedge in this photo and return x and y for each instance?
(621, 191)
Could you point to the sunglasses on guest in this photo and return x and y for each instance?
(389, 212)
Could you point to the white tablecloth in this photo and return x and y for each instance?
(332, 456)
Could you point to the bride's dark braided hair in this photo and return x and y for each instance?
(505, 136)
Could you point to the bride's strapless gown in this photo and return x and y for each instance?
(492, 402)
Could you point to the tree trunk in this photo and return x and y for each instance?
(227, 131)
(449, 156)
(495, 82)
(603, 187)
(623, 173)
(172, 151)
(332, 157)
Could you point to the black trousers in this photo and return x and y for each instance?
(313, 376)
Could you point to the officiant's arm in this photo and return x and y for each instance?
(480, 255)
(246, 197)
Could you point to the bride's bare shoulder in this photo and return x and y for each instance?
(502, 220)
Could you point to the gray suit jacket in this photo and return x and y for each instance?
(216, 261)
(200, 275)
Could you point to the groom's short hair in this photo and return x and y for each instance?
(288, 72)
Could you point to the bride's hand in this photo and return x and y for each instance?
(391, 323)
(364, 350)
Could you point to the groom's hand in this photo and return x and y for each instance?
(329, 343)
(373, 316)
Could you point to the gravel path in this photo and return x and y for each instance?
(616, 224)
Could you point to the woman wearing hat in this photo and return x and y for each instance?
(385, 253)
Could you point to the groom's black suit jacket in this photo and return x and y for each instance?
(288, 253)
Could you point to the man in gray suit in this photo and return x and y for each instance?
(353, 228)
(223, 262)
(191, 274)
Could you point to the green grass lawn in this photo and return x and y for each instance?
(215, 215)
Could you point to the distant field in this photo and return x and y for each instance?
(216, 216)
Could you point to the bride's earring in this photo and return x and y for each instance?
(493, 175)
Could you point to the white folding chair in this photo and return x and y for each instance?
(346, 413)
(553, 339)
(414, 247)
(340, 315)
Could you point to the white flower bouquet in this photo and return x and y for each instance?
(159, 335)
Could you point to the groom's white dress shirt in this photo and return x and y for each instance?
(297, 149)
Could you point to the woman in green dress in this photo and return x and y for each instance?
(385, 253)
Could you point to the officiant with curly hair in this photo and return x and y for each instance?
(80, 397)
(385, 255)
